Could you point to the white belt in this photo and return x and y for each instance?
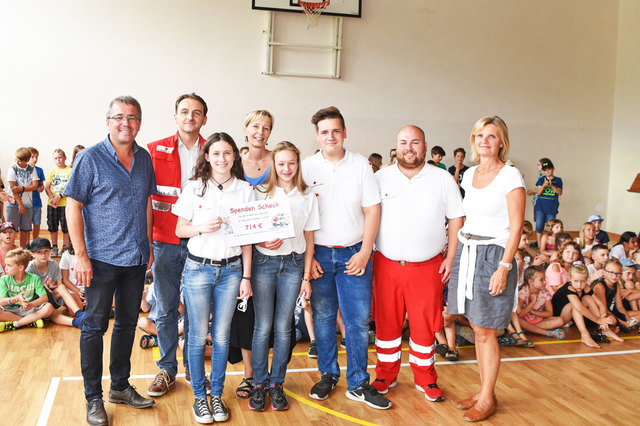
(468, 267)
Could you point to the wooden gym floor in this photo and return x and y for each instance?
(557, 382)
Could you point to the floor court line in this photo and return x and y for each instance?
(55, 381)
(324, 409)
(48, 401)
(543, 342)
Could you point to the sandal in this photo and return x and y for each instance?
(442, 349)
(244, 389)
(599, 337)
(507, 340)
(452, 356)
(148, 341)
(523, 341)
(559, 333)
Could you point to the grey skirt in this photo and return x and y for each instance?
(484, 310)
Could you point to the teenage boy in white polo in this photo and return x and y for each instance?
(418, 200)
(349, 206)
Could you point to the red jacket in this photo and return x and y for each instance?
(166, 164)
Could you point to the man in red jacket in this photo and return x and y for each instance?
(173, 161)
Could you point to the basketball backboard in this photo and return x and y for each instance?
(349, 8)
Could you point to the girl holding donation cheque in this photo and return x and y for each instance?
(281, 270)
(214, 276)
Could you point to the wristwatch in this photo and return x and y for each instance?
(506, 265)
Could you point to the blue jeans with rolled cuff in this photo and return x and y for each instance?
(210, 290)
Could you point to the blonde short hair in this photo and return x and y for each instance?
(258, 113)
(20, 256)
(504, 136)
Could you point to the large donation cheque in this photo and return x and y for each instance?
(256, 222)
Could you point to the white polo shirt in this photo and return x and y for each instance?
(197, 210)
(414, 212)
(342, 191)
(304, 215)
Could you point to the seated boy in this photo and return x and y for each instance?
(599, 256)
(601, 235)
(23, 299)
(8, 235)
(148, 324)
(59, 295)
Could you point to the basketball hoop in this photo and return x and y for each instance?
(313, 9)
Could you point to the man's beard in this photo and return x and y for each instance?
(418, 162)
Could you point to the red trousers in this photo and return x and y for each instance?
(414, 289)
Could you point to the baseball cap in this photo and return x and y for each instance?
(8, 225)
(547, 165)
(40, 244)
(595, 217)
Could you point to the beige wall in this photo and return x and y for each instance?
(547, 67)
(623, 208)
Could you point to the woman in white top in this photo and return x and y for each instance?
(281, 270)
(484, 277)
(213, 273)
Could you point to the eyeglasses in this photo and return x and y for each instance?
(120, 118)
(617, 274)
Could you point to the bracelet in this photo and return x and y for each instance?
(306, 279)
(246, 278)
(506, 265)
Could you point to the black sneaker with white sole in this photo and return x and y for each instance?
(321, 389)
(201, 411)
(369, 396)
(220, 413)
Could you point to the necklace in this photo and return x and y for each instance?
(220, 185)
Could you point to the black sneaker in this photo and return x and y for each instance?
(321, 389)
(313, 350)
(369, 396)
(220, 413)
(258, 398)
(278, 398)
(201, 411)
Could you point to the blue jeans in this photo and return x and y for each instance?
(353, 295)
(276, 284)
(167, 270)
(126, 283)
(541, 218)
(205, 286)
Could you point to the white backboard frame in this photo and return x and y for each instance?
(348, 8)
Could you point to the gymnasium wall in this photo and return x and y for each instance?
(547, 67)
(624, 207)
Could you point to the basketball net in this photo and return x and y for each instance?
(313, 10)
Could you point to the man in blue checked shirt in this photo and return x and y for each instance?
(109, 201)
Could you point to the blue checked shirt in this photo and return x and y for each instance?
(115, 203)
